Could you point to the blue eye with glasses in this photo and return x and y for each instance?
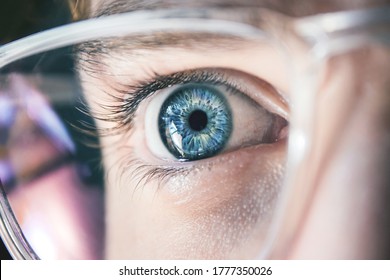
(195, 122)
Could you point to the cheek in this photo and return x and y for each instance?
(221, 209)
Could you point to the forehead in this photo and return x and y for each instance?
(288, 7)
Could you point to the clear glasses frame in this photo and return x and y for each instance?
(312, 38)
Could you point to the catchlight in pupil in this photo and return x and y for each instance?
(198, 120)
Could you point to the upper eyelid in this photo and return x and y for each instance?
(192, 76)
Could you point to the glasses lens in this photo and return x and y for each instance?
(166, 145)
(48, 170)
(342, 118)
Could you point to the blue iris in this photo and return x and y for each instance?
(195, 122)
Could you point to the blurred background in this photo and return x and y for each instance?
(20, 18)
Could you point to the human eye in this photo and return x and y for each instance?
(205, 112)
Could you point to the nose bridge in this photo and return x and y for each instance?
(348, 215)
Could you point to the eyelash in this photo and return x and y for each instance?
(143, 173)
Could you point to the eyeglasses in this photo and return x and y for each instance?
(172, 133)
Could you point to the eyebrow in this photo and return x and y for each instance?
(177, 39)
(121, 6)
(294, 8)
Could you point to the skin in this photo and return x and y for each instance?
(219, 208)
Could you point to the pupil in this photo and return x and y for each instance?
(198, 120)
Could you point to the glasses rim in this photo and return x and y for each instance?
(329, 27)
(11, 233)
(310, 28)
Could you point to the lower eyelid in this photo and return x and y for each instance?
(178, 181)
(226, 177)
